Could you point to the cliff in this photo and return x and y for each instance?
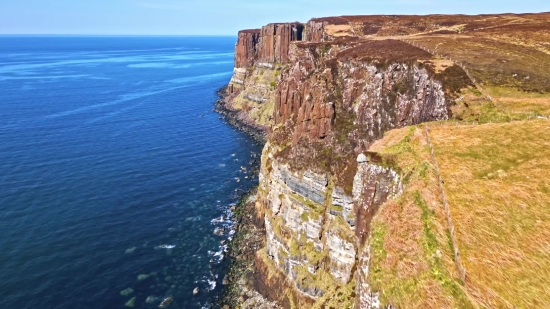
(351, 198)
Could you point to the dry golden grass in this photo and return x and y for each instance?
(513, 101)
(495, 62)
(441, 64)
(338, 30)
(496, 179)
(499, 104)
(412, 263)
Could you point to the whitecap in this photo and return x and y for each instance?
(147, 65)
(211, 285)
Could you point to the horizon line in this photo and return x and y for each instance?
(115, 35)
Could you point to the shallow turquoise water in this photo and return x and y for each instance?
(109, 149)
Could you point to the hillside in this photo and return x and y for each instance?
(406, 160)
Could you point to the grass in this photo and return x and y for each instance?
(264, 84)
(316, 209)
(496, 178)
(495, 62)
(507, 105)
(412, 263)
(525, 105)
(496, 181)
(493, 157)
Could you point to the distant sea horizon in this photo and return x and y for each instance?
(115, 171)
(117, 35)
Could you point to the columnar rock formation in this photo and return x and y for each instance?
(318, 186)
(275, 41)
(259, 58)
(245, 49)
(269, 44)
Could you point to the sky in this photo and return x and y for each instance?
(216, 17)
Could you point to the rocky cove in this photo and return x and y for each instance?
(323, 94)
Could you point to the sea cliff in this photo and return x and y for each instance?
(351, 208)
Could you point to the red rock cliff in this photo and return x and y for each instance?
(327, 91)
(245, 49)
(269, 44)
(275, 41)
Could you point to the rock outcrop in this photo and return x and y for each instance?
(245, 49)
(327, 95)
(260, 55)
(275, 41)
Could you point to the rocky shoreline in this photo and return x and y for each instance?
(238, 283)
(239, 119)
(239, 290)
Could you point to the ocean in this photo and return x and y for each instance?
(114, 171)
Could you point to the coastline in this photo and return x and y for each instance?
(239, 119)
(240, 281)
(239, 288)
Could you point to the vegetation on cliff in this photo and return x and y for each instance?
(353, 182)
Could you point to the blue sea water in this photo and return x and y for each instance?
(109, 149)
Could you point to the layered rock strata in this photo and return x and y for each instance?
(325, 99)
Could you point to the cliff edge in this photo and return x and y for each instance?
(403, 159)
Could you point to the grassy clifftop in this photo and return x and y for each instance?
(495, 180)
(471, 227)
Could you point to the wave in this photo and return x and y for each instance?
(170, 65)
(133, 96)
(147, 65)
(202, 78)
(3, 78)
(13, 68)
(124, 98)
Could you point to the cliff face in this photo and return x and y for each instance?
(327, 91)
(275, 41)
(379, 98)
(266, 45)
(319, 185)
(245, 49)
(259, 58)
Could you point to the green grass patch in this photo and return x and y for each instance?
(437, 267)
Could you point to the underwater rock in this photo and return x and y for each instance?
(165, 247)
(219, 231)
(142, 277)
(166, 302)
(127, 292)
(150, 299)
(131, 303)
(131, 250)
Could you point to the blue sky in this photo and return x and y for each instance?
(215, 17)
